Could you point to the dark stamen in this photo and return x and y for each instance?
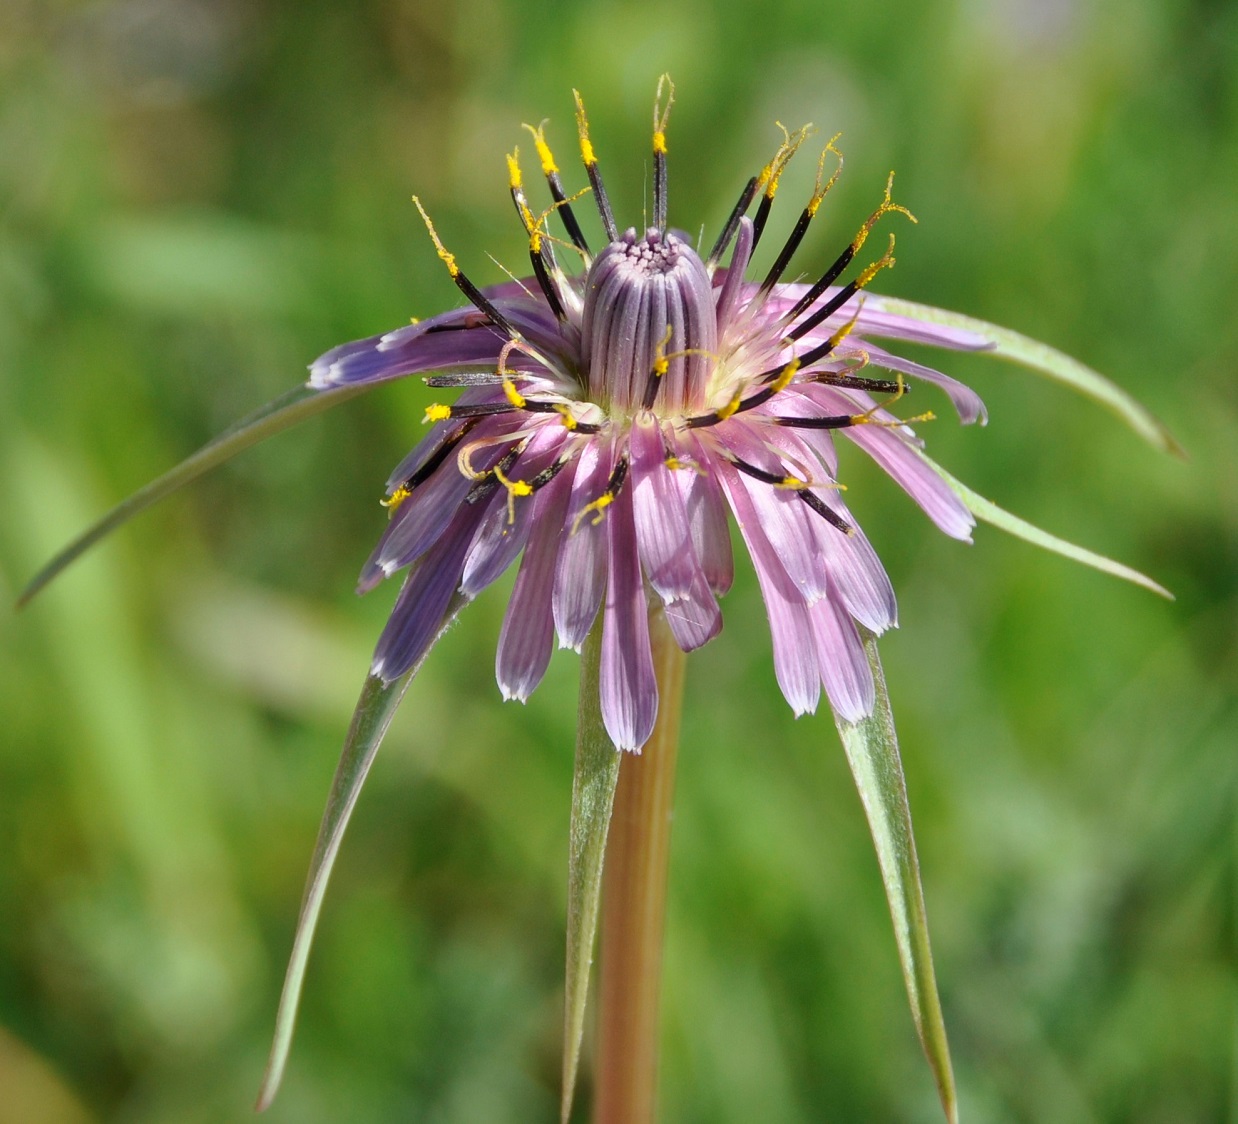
(465, 378)
(437, 458)
(476, 297)
(801, 489)
(732, 223)
(489, 482)
(551, 171)
(595, 176)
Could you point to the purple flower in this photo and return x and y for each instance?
(612, 414)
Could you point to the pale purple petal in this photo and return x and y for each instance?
(580, 574)
(785, 518)
(460, 338)
(661, 524)
(528, 626)
(505, 527)
(628, 686)
(419, 610)
(795, 657)
(707, 520)
(845, 672)
(966, 402)
(890, 450)
(423, 517)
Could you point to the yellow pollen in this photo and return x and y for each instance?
(448, 259)
(785, 376)
(514, 488)
(820, 192)
(726, 411)
(565, 412)
(598, 506)
(513, 395)
(437, 412)
(514, 178)
(884, 262)
(792, 483)
(393, 501)
(582, 127)
(659, 143)
(549, 167)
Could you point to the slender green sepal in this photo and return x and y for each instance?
(593, 800)
(373, 714)
(287, 410)
(991, 513)
(1047, 361)
(872, 752)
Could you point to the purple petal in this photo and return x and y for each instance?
(627, 683)
(785, 519)
(419, 610)
(505, 527)
(528, 626)
(967, 403)
(795, 659)
(661, 523)
(460, 338)
(423, 517)
(707, 520)
(890, 450)
(844, 666)
(580, 574)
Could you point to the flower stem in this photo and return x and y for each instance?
(634, 905)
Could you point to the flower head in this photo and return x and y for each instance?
(611, 416)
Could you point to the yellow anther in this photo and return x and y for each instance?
(514, 178)
(785, 376)
(884, 208)
(437, 412)
(513, 395)
(514, 488)
(414, 319)
(676, 465)
(772, 171)
(724, 412)
(598, 506)
(448, 259)
(393, 501)
(793, 483)
(549, 167)
(884, 262)
(662, 113)
(820, 192)
(582, 127)
(565, 412)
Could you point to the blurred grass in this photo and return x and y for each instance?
(199, 196)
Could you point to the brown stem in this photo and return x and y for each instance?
(634, 905)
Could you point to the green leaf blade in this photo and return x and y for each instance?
(989, 512)
(371, 719)
(289, 409)
(595, 776)
(871, 746)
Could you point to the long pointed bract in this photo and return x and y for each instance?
(375, 709)
(593, 798)
(1044, 360)
(872, 753)
(286, 411)
(1020, 528)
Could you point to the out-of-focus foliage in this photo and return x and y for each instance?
(199, 196)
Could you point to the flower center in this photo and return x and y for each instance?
(650, 333)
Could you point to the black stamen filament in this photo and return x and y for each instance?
(595, 176)
(801, 489)
(732, 223)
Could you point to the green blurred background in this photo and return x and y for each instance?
(197, 197)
